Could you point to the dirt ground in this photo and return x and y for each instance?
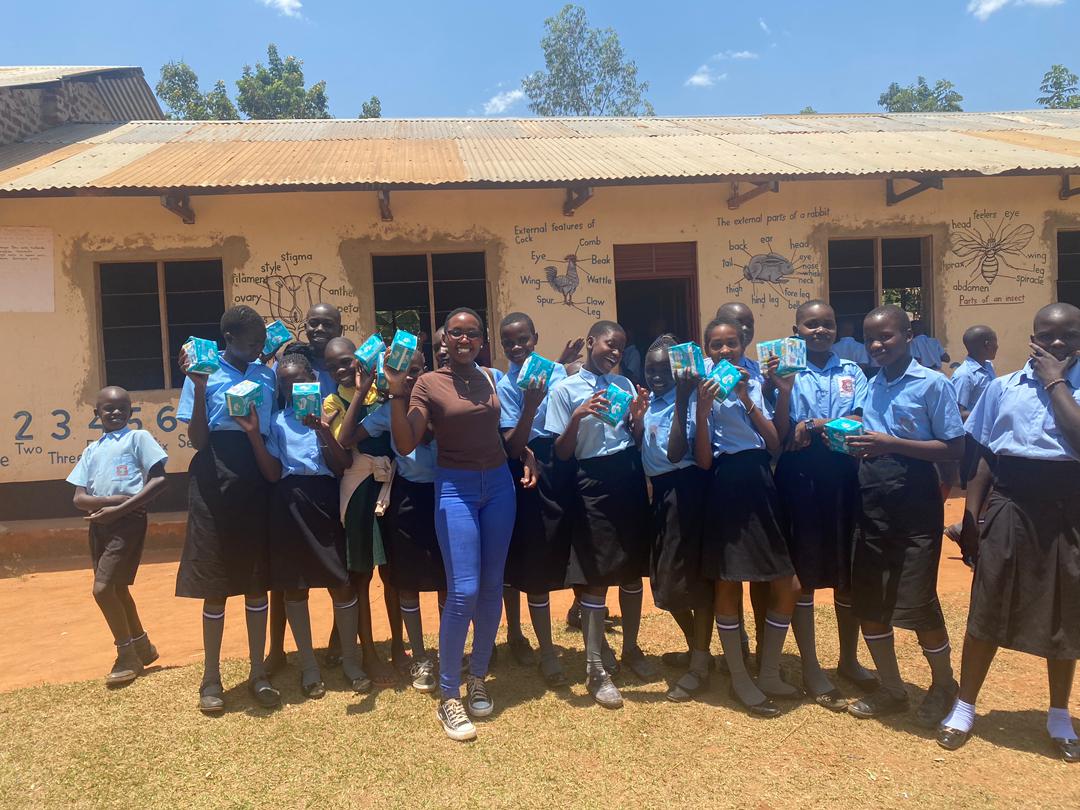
(58, 636)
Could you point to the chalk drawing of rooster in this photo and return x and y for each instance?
(566, 284)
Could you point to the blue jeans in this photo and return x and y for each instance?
(474, 517)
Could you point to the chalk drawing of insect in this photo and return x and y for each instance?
(989, 251)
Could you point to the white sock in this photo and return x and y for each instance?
(962, 716)
(1059, 724)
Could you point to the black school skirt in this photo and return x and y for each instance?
(898, 543)
(744, 539)
(116, 549)
(819, 490)
(678, 505)
(307, 540)
(408, 531)
(1026, 592)
(611, 537)
(540, 545)
(225, 550)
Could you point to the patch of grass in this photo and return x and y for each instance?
(146, 745)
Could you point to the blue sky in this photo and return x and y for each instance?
(708, 57)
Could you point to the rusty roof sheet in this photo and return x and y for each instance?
(26, 75)
(148, 156)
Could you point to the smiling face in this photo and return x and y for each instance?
(817, 326)
(724, 342)
(605, 350)
(1057, 331)
(658, 371)
(322, 325)
(464, 338)
(113, 408)
(340, 362)
(886, 337)
(518, 341)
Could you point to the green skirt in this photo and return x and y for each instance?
(363, 540)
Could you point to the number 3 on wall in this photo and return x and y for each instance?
(62, 420)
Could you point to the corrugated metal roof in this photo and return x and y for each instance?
(24, 75)
(147, 156)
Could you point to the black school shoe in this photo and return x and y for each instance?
(1068, 750)
(681, 660)
(766, 708)
(521, 649)
(687, 687)
(937, 704)
(211, 698)
(952, 738)
(146, 651)
(126, 668)
(264, 692)
(603, 690)
(879, 703)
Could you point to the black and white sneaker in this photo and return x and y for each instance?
(477, 698)
(455, 721)
(423, 675)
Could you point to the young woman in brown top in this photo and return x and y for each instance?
(474, 506)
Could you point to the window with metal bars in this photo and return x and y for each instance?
(866, 273)
(1068, 283)
(416, 292)
(148, 310)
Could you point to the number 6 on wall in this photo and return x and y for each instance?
(165, 419)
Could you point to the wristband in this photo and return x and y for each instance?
(1049, 386)
(751, 409)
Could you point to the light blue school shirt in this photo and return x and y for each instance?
(838, 389)
(657, 423)
(730, 424)
(220, 381)
(918, 405)
(970, 380)
(848, 348)
(512, 399)
(1014, 418)
(496, 373)
(296, 446)
(927, 351)
(419, 465)
(117, 463)
(595, 437)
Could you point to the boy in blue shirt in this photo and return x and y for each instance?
(973, 376)
(115, 478)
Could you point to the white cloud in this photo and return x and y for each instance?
(735, 55)
(501, 102)
(764, 25)
(704, 76)
(982, 9)
(286, 8)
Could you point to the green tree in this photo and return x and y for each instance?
(920, 97)
(1059, 89)
(807, 110)
(276, 90)
(178, 88)
(372, 108)
(586, 72)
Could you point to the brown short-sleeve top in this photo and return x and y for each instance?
(464, 411)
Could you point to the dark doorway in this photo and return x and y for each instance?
(656, 292)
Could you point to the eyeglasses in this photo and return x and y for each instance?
(471, 334)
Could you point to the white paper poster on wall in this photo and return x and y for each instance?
(26, 270)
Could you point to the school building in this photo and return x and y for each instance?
(120, 239)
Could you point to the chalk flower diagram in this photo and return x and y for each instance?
(990, 250)
(290, 296)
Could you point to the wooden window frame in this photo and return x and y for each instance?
(163, 312)
(658, 275)
(926, 260)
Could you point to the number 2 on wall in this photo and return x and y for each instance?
(21, 434)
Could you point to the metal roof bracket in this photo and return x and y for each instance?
(736, 199)
(384, 205)
(1067, 189)
(893, 197)
(576, 196)
(179, 202)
